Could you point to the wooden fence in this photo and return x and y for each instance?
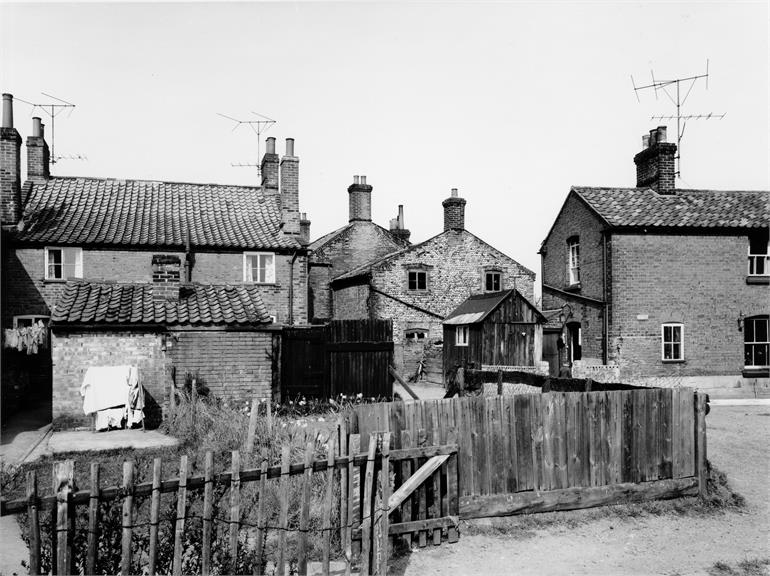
(357, 503)
(558, 451)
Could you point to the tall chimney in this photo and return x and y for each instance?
(38, 155)
(655, 164)
(359, 200)
(397, 225)
(10, 166)
(269, 168)
(454, 212)
(166, 270)
(290, 190)
(304, 229)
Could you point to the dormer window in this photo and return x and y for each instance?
(759, 255)
(63, 263)
(573, 261)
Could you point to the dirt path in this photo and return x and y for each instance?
(738, 438)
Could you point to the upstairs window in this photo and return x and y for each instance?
(418, 280)
(63, 263)
(672, 342)
(259, 267)
(492, 281)
(756, 342)
(461, 335)
(415, 334)
(573, 260)
(759, 255)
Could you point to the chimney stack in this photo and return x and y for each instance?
(360, 200)
(269, 168)
(10, 166)
(38, 155)
(397, 225)
(290, 190)
(655, 164)
(166, 270)
(304, 229)
(454, 212)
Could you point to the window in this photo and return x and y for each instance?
(259, 267)
(413, 335)
(759, 255)
(573, 265)
(418, 280)
(63, 263)
(672, 342)
(492, 281)
(755, 342)
(28, 320)
(461, 335)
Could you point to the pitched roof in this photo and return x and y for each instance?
(645, 207)
(478, 306)
(82, 211)
(319, 243)
(85, 302)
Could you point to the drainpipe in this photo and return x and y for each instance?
(605, 319)
(291, 287)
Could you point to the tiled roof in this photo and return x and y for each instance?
(686, 208)
(318, 242)
(84, 211)
(478, 306)
(85, 302)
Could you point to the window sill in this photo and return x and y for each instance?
(682, 361)
(572, 287)
(461, 345)
(758, 280)
(57, 280)
(756, 373)
(247, 283)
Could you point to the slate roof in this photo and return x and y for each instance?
(478, 306)
(103, 211)
(644, 207)
(85, 302)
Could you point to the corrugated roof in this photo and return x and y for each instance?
(83, 211)
(645, 207)
(478, 306)
(85, 302)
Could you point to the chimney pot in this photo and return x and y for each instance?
(454, 192)
(37, 127)
(270, 145)
(356, 180)
(363, 179)
(661, 134)
(290, 146)
(401, 216)
(645, 141)
(653, 137)
(7, 111)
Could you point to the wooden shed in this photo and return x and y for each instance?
(496, 328)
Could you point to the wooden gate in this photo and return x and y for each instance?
(343, 357)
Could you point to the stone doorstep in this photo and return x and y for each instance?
(68, 441)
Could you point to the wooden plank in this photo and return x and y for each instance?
(127, 517)
(154, 515)
(640, 436)
(304, 518)
(549, 450)
(34, 523)
(403, 383)
(494, 441)
(385, 488)
(93, 523)
(326, 520)
(560, 441)
(574, 464)
(354, 503)
(343, 450)
(366, 521)
(701, 452)
(436, 492)
(574, 498)
(499, 382)
(536, 423)
(664, 422)
(208, 512)
(64, 473)
(252, 426)
(181, 511)
(614, 415)
(510, 456)
(406, 473)
(453, 499)
(235, 508)
(628, 437)
(465, 485)
(416, 480)
(422, 489)
(478, 435)
(653, 454)
(524, 448)
(53, 523)
(594, 435)
(688, 431)
(283, 498)
(261, 517)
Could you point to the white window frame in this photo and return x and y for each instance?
(671, 342)
(756, 342)
(758, 260)
(573, 260)
(461, 335)
(415, 334)
(499, 275)
(33, 318)
(78, 264)
(417, 280)
(248, 271)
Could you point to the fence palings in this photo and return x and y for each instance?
(34, 524)
(181, 512)
(127, 517)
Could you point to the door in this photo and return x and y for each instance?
(551, 351)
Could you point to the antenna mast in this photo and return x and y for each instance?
(53, 109)
(681, 120)
(258, 126)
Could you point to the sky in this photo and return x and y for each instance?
(510, 102)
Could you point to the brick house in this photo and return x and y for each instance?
(655, 283)
(350, 246)
(166, 240)
(418, 286)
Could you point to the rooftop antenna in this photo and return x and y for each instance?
(258, 126)
(53, 109)
(681, 119)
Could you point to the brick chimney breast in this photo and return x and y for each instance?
(269, 170)
(360, 200)
(10, 166)
(656, 163)
(166, 270)
(38, 154)
(454, 212)
(290, 190)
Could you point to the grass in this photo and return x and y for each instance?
(753, 567)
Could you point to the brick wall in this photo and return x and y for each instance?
(74, 352)
(236, 366)
(697, 280)
(319, 293)
(10, 176)
(351, 302)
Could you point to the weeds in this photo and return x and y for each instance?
(754, 567)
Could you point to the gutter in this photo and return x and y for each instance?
(605, 319)
(291, 287)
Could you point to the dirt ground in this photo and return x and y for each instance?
(593, 542)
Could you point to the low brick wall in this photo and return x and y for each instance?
(74, 352)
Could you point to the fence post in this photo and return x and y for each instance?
(181, 505)
(154, 514)
(461, 381)
(499, 382)
(700, 445)
(304, 518)
(385, 486)
(128, 517)
(343, 440)
(208, 505)
(328, 503)
(366, 522)
(93, 520)
(284, 507)
(64, 473)
(235, 510)
(589, 385)
(34, 524)
(261, 513)
(252, 426)
(354, 493)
